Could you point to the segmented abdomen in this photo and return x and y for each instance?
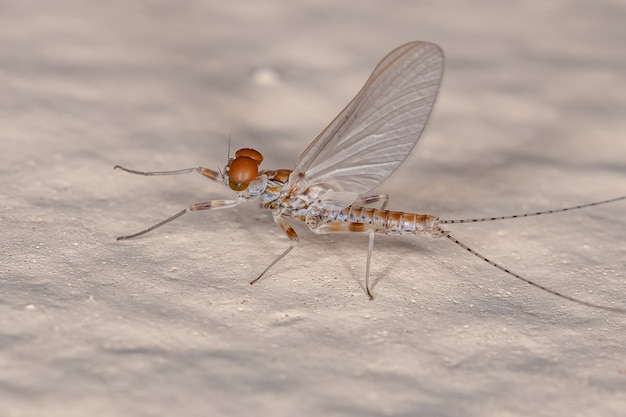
(364, 219)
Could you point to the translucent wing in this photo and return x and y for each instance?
(377, 130)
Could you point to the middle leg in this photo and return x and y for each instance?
(291, 234)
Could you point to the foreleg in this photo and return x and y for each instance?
(205, 172)
(209, 205)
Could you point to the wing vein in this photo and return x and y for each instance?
(376, 131)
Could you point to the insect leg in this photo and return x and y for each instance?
(208, 173)
(367, 200)
(353, 227)
(209, 205)
(370, 249)
(291, 234)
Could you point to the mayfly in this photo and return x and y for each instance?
(330, 187)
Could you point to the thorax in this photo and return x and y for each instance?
(282, 199)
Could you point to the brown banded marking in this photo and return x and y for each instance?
(397, 222)
(278, 178)
(210, 174)
(215, 204)
(356, 227)
(291, 234)
(278, 175)
(394, 222)
(367, 219)
(342, 227)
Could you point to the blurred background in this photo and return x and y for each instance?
(530, 117)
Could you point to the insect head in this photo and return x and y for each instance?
(243, 169)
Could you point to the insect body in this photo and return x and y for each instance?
(330, 188)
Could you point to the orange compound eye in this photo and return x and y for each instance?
(242, 170)
(250, 153)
